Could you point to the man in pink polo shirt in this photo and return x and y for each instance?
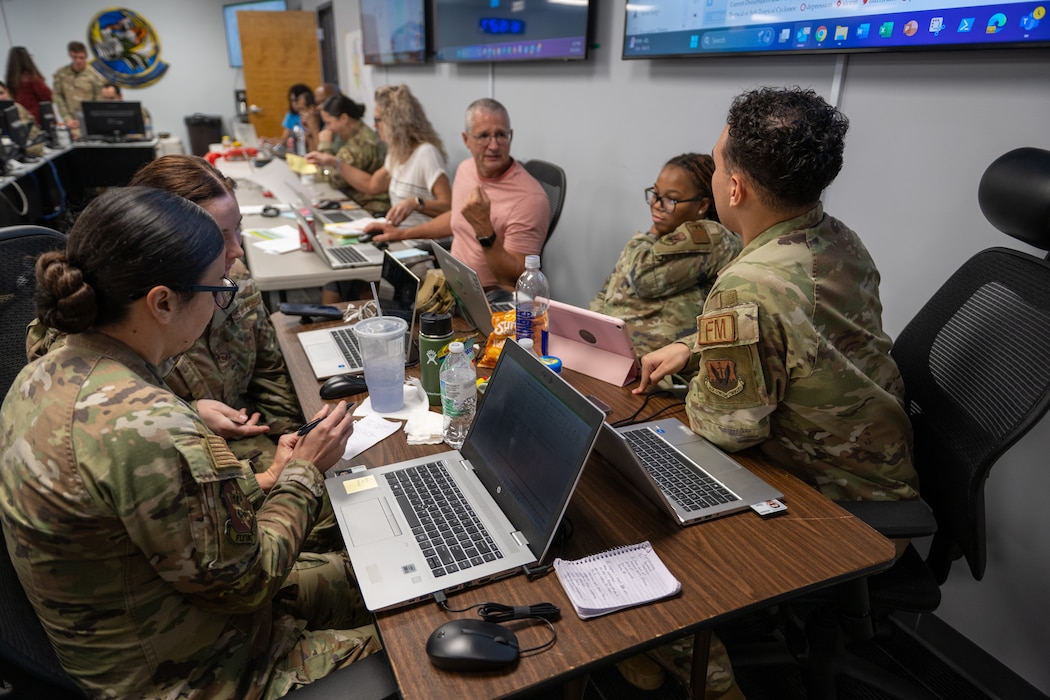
(499, 212)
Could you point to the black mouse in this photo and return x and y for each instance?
(472, 645)
(366, 236)
(329, 204)
(342, 385)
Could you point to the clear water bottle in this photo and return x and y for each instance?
(531, 296)
(459, 395)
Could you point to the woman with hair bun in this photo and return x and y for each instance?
(664, 274)
(129, 522)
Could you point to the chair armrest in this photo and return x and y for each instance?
(895, 519)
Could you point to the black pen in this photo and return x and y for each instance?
(313, 424)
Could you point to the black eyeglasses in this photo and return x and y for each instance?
(501, 137)
(666, 203)
(223, 295)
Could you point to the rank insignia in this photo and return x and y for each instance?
(721, 379)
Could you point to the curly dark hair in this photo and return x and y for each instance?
(699, 167)
(788, 142)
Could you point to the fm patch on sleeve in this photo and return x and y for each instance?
(716, 329)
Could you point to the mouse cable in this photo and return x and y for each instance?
(549, 643)
(497, 612)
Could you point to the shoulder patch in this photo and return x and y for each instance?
(698, 231)
(240, 523)
(720, 378)
(728, 326)
(222, 455)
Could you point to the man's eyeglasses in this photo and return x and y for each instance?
(666, 203)
(502, 137)
(223, 295)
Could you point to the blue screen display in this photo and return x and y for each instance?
(656, 28)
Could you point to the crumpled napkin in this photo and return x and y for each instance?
(424, 427)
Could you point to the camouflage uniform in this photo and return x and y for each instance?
(34, 130)
(70, 89)
(790, 353)
(132, 530)
(364, 151)
(659, 282)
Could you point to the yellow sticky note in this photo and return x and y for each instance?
(362, 484)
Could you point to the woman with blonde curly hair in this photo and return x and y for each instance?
(414, 170)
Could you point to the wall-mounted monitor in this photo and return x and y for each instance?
(661, 28)
(510, 30)
(394, 32)
(233, 32)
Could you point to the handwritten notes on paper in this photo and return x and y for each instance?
(617, 579)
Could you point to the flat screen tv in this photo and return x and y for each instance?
(660, 28)
(394, 32)
(233, 32)
(113, 120)
(510, 30)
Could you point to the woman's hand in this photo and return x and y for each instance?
(400, 211)
(325, 444)
(228, 422)
(325, 160)
(382, 231)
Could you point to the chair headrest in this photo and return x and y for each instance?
(1014, 195)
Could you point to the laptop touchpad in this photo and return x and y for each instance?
(370, 521)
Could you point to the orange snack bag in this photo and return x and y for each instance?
(502, 328)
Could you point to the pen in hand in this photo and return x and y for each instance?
(313, 424)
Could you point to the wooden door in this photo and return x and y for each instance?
(279, 50)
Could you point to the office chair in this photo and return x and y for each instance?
(970, 394)
(553, 180)
(19, 248)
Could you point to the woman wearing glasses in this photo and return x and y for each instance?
(234, 372)
(130, 523)
(664, 274)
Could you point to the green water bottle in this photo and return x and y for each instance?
(435, 333)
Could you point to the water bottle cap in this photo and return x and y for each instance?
(435, 324)
(455, 347)
(532, 262)
(525, 343)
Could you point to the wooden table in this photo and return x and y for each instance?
(727, 566)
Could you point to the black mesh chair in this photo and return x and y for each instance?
(971, 393)
(553, 180)
(19, 248)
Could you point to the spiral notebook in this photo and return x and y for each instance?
(616, 579)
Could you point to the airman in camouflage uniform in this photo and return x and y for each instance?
(660, 281)
(74, 84)
(151, 571)
(363, 150)
(791, 354)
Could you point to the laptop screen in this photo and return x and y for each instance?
(529, 442)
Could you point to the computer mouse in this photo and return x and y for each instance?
(329, 204)
(472, 645)
(366, 236)
(342, 385)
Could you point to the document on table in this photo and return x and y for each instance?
(282, 239)
(616, 579)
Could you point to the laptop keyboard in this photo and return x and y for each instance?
(346, 341)
(445, 526)
(347, 254)
(691, 488)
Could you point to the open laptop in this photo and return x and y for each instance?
(339, 256)
(591, 343)
(680, 471)
(333, 351)
(465, 286)
(333, 216)
(517, 470)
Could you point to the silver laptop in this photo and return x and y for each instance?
(465, 286)
(333, 216)
(680, 471)
(333, 351)
(516, 472)
(340, 256)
